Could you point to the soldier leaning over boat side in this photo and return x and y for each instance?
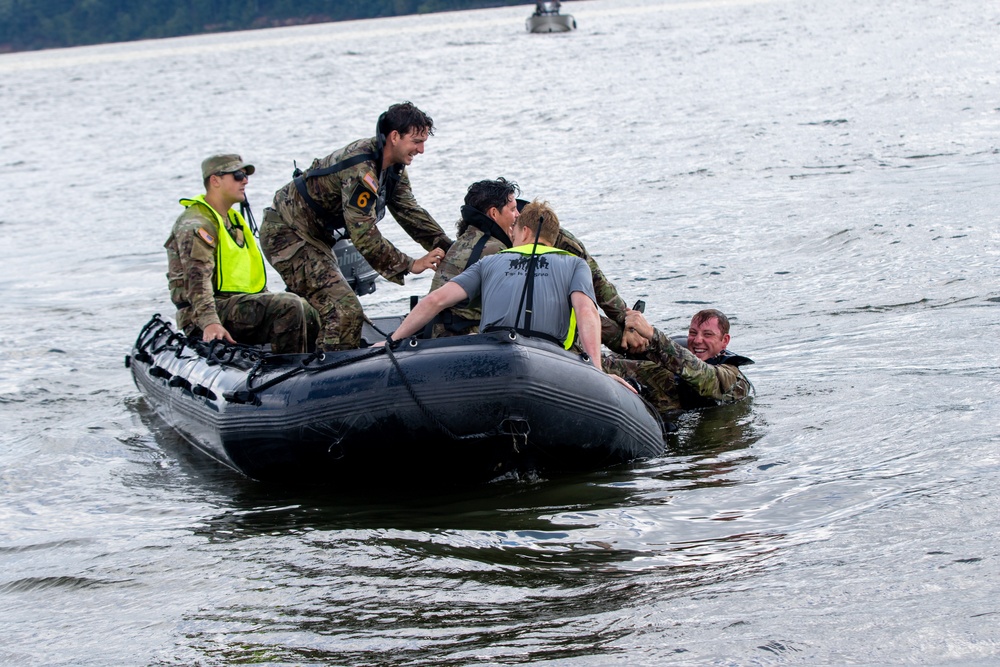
(533, 289)
(216, 272)
(490, 209)
(346, 194)
(677, 378)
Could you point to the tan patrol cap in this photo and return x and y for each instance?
(224, 164)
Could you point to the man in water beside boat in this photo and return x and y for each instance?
(490, 210)
(216, 272)
(346, 194)
(533, 288)
(677, 378)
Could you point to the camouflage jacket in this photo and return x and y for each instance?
(607, 296)
(354, 199)
(191, 264)
(457, 259)
(721, 383)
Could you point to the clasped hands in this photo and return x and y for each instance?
(638, 332)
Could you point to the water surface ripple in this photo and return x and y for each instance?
(824, 172)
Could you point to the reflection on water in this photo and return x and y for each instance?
(564, 562)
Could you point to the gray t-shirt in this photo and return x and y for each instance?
(500, 279)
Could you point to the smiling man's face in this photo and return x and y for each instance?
(405, 147)
(705, 340)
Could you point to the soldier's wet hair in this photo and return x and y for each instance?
(540, 219)
(703, 316)
(405, 118)
(484, 195)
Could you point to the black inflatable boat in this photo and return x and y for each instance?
(473, 408)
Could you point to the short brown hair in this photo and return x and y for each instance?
(703, 316)
(404, 118)
(541, 219)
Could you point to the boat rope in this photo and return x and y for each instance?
(375, 326)
(158, 335)
(304, 366)
(388, 347)
(220, 352)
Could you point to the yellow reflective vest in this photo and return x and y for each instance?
(236, 269)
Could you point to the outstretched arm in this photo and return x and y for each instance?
(588, 323)
(428, 307)
(723, 383)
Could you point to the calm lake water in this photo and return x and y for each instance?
(824, 172)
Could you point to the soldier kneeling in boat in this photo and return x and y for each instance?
(216, 271)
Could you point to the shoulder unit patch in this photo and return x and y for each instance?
(362, 198)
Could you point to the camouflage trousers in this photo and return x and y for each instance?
(315, 276)
(449, 323)
(659, 385)
(284, 320)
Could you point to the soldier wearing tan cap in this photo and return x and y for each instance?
(216, 272)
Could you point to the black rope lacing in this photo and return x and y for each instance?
(220, 352)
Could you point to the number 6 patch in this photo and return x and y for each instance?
(362, 198)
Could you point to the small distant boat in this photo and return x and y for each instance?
(548, 19)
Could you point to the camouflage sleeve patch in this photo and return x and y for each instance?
(362, 199)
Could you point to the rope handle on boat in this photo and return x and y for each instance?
(306, 365)
(389, 348)
(220, 352)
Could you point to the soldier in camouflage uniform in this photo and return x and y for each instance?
(676, 378)
(216, 273)
(488, 215)
(472, 229)
(346, 194)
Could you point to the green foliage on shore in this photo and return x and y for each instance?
(42, 24)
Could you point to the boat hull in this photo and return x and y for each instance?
(551, 23)
(476, 407)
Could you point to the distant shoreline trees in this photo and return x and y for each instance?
(27, 25)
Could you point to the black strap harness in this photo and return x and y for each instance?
(474, 218)
(528, 291)
(388, 180)
(300, 177)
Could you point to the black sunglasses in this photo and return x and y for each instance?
(238, 176)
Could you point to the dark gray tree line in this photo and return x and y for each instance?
(44, 24)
